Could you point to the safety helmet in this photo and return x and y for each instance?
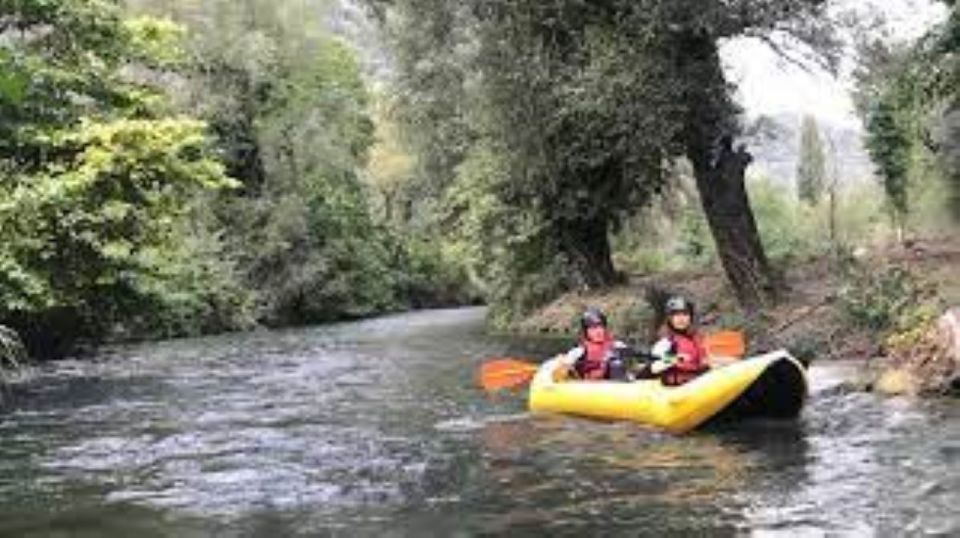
(678, 303)
(591, 318)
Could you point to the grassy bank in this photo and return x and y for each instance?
(849, 306)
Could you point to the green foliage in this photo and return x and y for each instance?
(644, 261)
(189, 288)
(696, 245)
(811, 170)
(889, 144)
(908, 96)
(96, 177)
(432, 274)
(860, 215)
(877, 298)
(789, 230)
(672, 234)
(156, 42)
(321, 256)
(317, 258)
(92, 218)
(292, 118)
(434, 96)
(507, 249)
(577, 108)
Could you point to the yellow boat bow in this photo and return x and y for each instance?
(770, 385)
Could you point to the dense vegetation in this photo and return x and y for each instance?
(908, 97)
(188, 167)
(159, 178)
(546, 126)
(98, 175)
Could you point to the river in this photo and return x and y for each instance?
(377, 428)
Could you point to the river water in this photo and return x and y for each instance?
(376, 428)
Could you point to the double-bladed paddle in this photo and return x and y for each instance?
(511, 373)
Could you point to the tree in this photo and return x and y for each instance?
(908, 95)
(811, 169)
(292, 114)
(544, 136)
(691, 31)
(588, 103)
(97, 175)
(833, 183)
(949, 153)
(890, 146)
(946, 103)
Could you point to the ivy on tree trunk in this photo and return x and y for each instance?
(723, 195)
(719, 170)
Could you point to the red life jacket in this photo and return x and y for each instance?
(693, 361)
(593, 364)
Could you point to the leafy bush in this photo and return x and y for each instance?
(913, 326)
(644, 261)
(860, 215)
(670, 235)
(95, 219)
(97, 181)
(877, 298)
(789, 229)
(696, 243)
(318, 257)
(431, 275)
(190, 289)
(679, 237)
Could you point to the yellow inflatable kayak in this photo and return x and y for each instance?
(769, 385)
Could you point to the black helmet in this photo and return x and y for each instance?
(592, 317)
(678, 303)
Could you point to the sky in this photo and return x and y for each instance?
(770, 85)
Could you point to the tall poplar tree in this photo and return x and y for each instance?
(811, 169)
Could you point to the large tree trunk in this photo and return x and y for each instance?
(719, 170)
(586, 244)
(723, 195)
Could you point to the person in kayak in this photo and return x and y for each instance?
(598, 355)
(681, 355)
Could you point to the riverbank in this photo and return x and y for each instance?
(867, 305)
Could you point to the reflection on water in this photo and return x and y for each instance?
(377, 428)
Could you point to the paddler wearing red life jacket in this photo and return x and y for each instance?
(598, 355)
(680, 349)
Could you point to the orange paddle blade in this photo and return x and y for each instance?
(725, 344)
(506, 373)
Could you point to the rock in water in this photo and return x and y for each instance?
(930, 366)
(950, 334)
(949, 329)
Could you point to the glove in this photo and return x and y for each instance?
(662, 348)
(659, 366)
(570, 358)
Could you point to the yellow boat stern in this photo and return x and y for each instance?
(675, 409)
